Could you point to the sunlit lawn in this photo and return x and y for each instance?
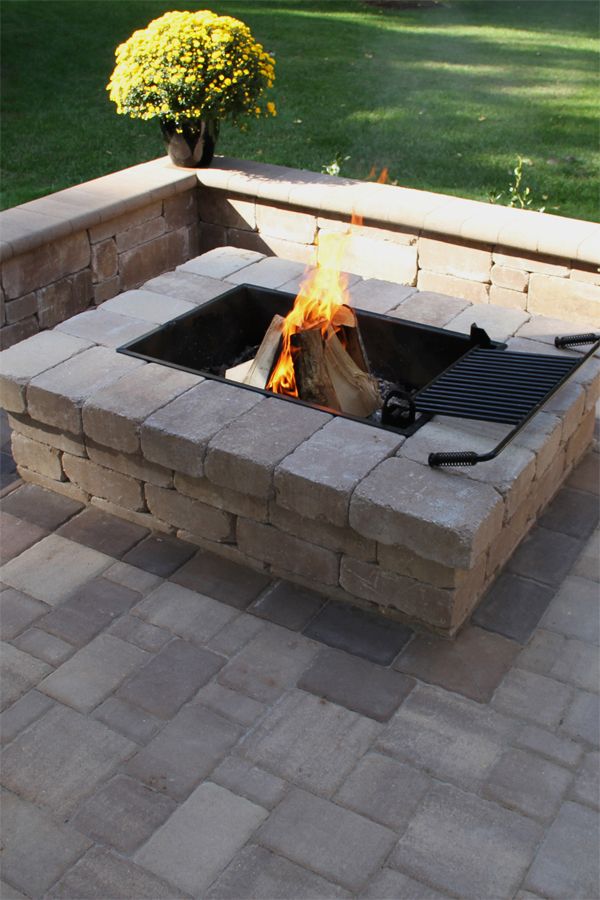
(447, 98)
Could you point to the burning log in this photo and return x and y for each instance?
(357, 391)
(256, 371)
(313, 381)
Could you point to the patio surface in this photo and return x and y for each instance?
(177, 726)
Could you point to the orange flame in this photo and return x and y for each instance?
(322, 292)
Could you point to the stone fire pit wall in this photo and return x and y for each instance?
(77, 248)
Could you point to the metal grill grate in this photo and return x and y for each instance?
(495, 385)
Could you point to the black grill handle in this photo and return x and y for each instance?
(460, 458)
(569, 339)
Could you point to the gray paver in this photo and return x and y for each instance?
(236, 635)
(26, 710)
(271, 272)
(221, 262)
(578, 664)
(101, 874)
(17, 534)
(219, 578)
(128, 720)
(231, 704)
(574, 611)
(582, 719)
(186, 613)
(105, 327)
(93, 672)
(528, 784)
(566, 864)
(390, 883)
(196, 289)
(61, 758)
(289, 605)
(311, 482)
(467, 846)
(147, 305)
(379, 296)
(17, 610)
(558, 748)
(185, 751)
(7, 892)
(18, 672)
(132, 629)
(383, 789)
(200, 838)
(132, 577)
(533, 697)
(43, 508)
(249, 781)
(171, 678)
(586, 788)
(500, 323)
(48, 647)
(256, 872)
(431, 308)
(588, 564)
(36, 849)
(357, 684)
(122, 814)
(269, 664)
(310, 742)
(452, 738)
(337, 843)
(53, 569)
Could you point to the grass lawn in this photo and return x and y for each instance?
(446, 97)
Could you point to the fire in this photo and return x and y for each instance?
(323, 293)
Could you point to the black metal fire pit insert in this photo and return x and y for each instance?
(429, 370)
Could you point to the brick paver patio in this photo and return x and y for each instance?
(177, 726)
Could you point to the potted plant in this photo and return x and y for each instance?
(192, 70)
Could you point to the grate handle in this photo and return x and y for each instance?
(568, 339)
(460, 458)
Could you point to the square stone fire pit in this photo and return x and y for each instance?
(346, 509)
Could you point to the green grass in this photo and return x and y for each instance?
(447, 98)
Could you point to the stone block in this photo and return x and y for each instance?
(17, 535)
(473, 291)
(211, 237)
(19, 331)
(53, 569)
(140, 234)
(236, 502)
(512, 279)
(288, 604)
(375, 295)
(287, 554)
(103, 327)
(226, 209)
(233, 706)
(256, 872)
(21, 308)
(337, 843)
(402, 502)
(200, 838)
(141, 519)
(180, 285)
(113, 415)
(19, 672)
(42, 508)
(244, 454)
(566, 864)
(533, 262)
(590, 274)
(221, 262)
(311, 482)
(105, 261)
(55, 303)
(106, 290)
(104, 483)
(177, 435)
(116, 225)
(19, 364)
(531, 786)
(430, 308)
(26, 710)
(451, 738)
(586, 789)
(580, 441)
(374, 258)
(17, 611)
(249, 781)
(285, 223)
(104, 874)
(289, 251)
(145, 261)
(170, 678)
(123, 814)
(39, 457)
(128, 720)
(94, 672)
(160, 555)
(386, 589)
(134, 466)
(554, 747)
(189, 514)
(456, 259)
(582, 719)
(83, 289)
(36, 849)
(499, 323)
(340, 540)
(180, 210)
(55, 397)
(271, 272)
(577, 301)
(459, 843)
(143, 635)
(148, 306)
(504, 297)
(61, 758)
(44, 265)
